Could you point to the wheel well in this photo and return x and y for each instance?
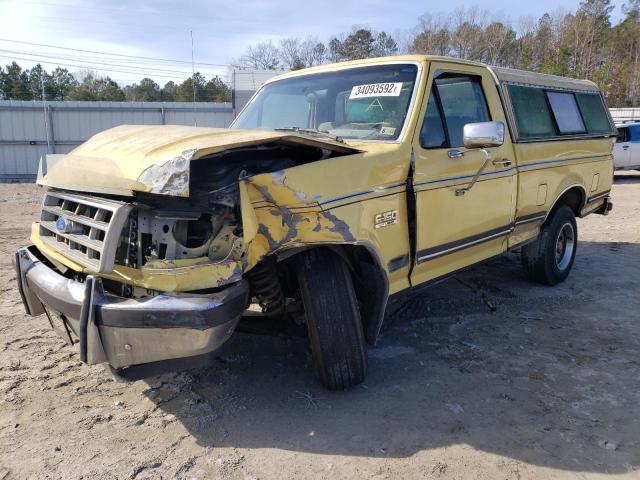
(369, 281)
(573, 197)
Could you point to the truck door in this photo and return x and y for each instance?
(622, 148)
(454, 230)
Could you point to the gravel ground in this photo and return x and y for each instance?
(483, 376)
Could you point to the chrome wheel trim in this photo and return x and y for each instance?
(565, 246)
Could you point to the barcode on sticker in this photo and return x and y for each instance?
(376, 90)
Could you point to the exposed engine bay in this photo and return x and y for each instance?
(161, 234)
(162, 231)
(208, 223)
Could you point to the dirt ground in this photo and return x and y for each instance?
(547, 386)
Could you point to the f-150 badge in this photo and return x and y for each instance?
(385, 219)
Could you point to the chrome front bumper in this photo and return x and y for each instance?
(136, 337)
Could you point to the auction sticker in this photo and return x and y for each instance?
(376, 90)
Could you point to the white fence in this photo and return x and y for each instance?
(29, 130)
(620, 115)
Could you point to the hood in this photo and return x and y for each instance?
(141, 158)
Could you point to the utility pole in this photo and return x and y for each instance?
(193, 81)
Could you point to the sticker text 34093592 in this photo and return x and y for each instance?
(392, 89)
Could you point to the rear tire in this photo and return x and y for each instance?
(333, 319)
(549, 259)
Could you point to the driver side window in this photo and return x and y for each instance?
(454, 101)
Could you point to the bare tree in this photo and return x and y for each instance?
(290, 52)
(466, 38)
(385, 45)
(313, 52)
(434, 35)
(261, 56)
(587, 29)
(498, 41)
(296, 53)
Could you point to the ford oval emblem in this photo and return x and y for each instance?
(62, 224)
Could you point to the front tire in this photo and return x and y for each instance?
(549, 259)
(333, 319)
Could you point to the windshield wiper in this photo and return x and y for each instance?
(310, 131)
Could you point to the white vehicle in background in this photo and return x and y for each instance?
(626, 150)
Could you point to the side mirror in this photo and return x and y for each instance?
(483, 134)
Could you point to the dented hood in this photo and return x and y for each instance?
(144, 158)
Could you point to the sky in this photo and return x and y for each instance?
(222, 31)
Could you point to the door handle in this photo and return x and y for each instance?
(455, 153)
(625, 147)
(487, 158)
(504, 162)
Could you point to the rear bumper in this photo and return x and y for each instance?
(136, 337)
(606, 207)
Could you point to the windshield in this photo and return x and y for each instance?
(367, 103)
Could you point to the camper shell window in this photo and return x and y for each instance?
(594, 112)
(566, 113)
(542, 113)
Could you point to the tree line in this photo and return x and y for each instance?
(582, 43)
(295, 53)
(60, 84)
(579, 44)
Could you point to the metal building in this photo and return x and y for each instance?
(29, 130)
(245, 82)
(625, 114)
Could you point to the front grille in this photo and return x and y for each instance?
(93, 226)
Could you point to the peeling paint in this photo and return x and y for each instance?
(264, 191)
(340, 227)
(264, 231)
(289, 220)
(280, 222)
(278, 178)
(170, 178)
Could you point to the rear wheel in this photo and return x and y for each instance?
(549, 259)
(333, 319)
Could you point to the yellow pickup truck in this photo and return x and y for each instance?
(335, 187)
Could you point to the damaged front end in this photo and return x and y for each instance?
(191, 219)
(172, 237)
(149, 271)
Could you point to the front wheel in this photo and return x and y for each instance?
(333, 319)
(549, 259)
